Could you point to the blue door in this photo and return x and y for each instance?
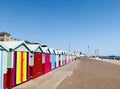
(52, 61)
(1, 74)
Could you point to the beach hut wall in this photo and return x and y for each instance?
(57, 58)
(52, 58)
(3, 67)
(36, 64)
(46, 59)
(61, 58)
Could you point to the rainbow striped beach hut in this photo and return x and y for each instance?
(18, 64)
(3, 66)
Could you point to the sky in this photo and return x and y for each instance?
(82, 23)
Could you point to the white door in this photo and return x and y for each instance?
(1, 74)
(57, 61)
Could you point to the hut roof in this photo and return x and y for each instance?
(51, 50)
(56, 51)
(12, 44)
(34, 47)
(45, 49)
(2, 46)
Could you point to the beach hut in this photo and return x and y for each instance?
(57, 58)
(60, 57)
(74, 57)
(18, 65)
(36, 66)
(63, 58)
(68, 57)
(46, 59)
(52, 58)
(71, 57)
(3, 66)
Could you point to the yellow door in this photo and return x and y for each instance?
(21, 67)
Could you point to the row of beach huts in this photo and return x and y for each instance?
(21, 62)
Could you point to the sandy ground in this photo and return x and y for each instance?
(50, 80)
(93, 74)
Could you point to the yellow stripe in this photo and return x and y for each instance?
(24, 66)
(18, 69)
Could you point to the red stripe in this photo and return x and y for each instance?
(22, 67)
(10, 78)
(28, 70)
(5, 81)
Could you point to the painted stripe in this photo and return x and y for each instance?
(2, 66)
(18, 69)
(53, 61)
(24, 66)
(28, 67)
(0, 69)
(14, 68)
(1, 74)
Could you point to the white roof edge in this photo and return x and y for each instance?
(33, 47)
(12, 44)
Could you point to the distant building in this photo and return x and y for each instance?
(79, 54)
(4, 36)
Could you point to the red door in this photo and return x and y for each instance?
(47, 63)
(37, 68)
(40, 66)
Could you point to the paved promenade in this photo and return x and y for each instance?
(81, 74)
(93, 74)
(109, 61)
(50, 80)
